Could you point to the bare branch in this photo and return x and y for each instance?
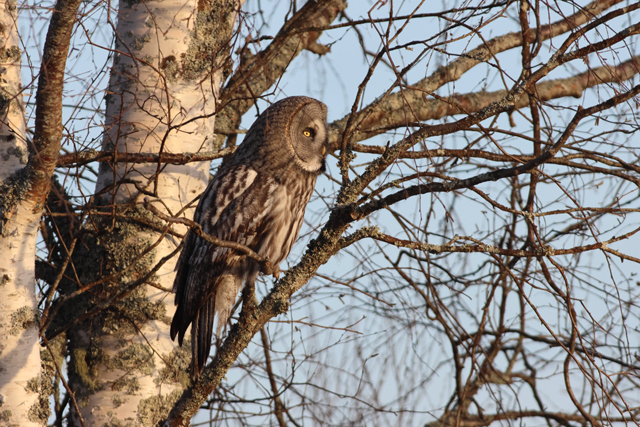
(48, 124)
(408, 106)
(261, 71)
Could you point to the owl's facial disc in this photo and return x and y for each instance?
(308, 134)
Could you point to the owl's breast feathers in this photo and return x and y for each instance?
(263, 211)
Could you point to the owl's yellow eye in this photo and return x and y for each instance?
(306, 133)
(309, 132)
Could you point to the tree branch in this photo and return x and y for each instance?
(399, 108)
(431, 109)
(434, 109)
(48, 122)
(261, 71)
(81, 158)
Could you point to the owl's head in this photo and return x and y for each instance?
(292, 131)
(307, 134)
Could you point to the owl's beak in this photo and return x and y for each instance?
(324, 150)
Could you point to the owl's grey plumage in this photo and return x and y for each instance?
(257, 199)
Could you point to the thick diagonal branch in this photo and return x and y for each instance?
(434, 109)
(261, 71)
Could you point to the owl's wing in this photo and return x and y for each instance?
(208, 276)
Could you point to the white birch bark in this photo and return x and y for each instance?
(162, 98)
(19, 219)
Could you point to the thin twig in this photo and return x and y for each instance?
(265, 265)
(70, 393)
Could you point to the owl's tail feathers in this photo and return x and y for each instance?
(179, 324)
(202, 327)
(227, 288)
(201, 333)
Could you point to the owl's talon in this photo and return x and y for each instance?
(270, 269)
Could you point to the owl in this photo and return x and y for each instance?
(257, 198)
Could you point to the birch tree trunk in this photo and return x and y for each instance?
(19, 218)
(162, 94)
(25, 184)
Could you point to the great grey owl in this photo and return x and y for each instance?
(257, 198)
